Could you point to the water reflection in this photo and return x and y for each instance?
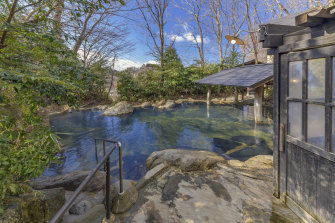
(224, 129)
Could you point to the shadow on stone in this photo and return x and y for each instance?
(225, 144)
(249, 140)
(248, 152)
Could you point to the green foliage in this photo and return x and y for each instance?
(177, 81)
(268, 96)
(172, 81)
(171, 59)
(37, 69)
(26, 144)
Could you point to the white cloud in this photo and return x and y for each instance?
(122, 64)
(176, 38)
(151, 62)
(190, 38)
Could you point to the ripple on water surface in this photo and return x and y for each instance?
(224, 129)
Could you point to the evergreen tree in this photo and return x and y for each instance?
(171, 59)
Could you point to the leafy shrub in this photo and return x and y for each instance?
(172, 80)
(27, 145)
(165, 83)
(36, 69)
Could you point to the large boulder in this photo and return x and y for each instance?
(101, 107)
(145, 105)
(168, 105)
(121, 202)
(80, 207)
(158, 103)
(186, 160)
(180, 101)
(71, 181)
(93, 215)
(85, 201)
(120, 108)
(257, 163)
(260, 162)
(115, 187)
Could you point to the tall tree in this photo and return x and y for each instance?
(37, 8)
(196, 9)
(251, 16)
(154, 14)
(171, 58)
(98, 34)
(217, 22)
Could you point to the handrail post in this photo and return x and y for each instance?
(104, 149)
(108, 182)
(104, 146)
(120, 167)
(96, 150)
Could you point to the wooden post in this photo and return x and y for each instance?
(258, 104)
(208, 112)
(209, 96)
(235, 95)
(242, 94)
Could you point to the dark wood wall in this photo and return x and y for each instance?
(311, 182)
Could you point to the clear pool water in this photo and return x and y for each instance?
(225, 129)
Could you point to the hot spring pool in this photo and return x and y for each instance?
(224, 129)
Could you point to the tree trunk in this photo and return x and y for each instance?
(201, 48)
(58, 17)
(8, 21)
(252, 35)
(112, 79)
(82, 34)
(162, 39)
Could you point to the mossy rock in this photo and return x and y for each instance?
(36, 206)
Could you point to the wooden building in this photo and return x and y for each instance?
(248, 76)
(303, 46)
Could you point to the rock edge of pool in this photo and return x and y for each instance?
(180, 186)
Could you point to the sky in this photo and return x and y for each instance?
(176, 29)
(178, 20)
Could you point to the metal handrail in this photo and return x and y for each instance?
(105, 160)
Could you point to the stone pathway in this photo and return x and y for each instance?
(230, 192)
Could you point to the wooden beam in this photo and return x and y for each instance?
(300, 212)
(271, 35)
(273, 41)
(271, 51)
(209, 95)
(308, 21)
(322, 41)
(276, 120)
(315, 17)
(258, 100)
(281, 29)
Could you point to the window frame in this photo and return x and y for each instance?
(328, 104)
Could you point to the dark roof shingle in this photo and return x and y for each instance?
(244, 76)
